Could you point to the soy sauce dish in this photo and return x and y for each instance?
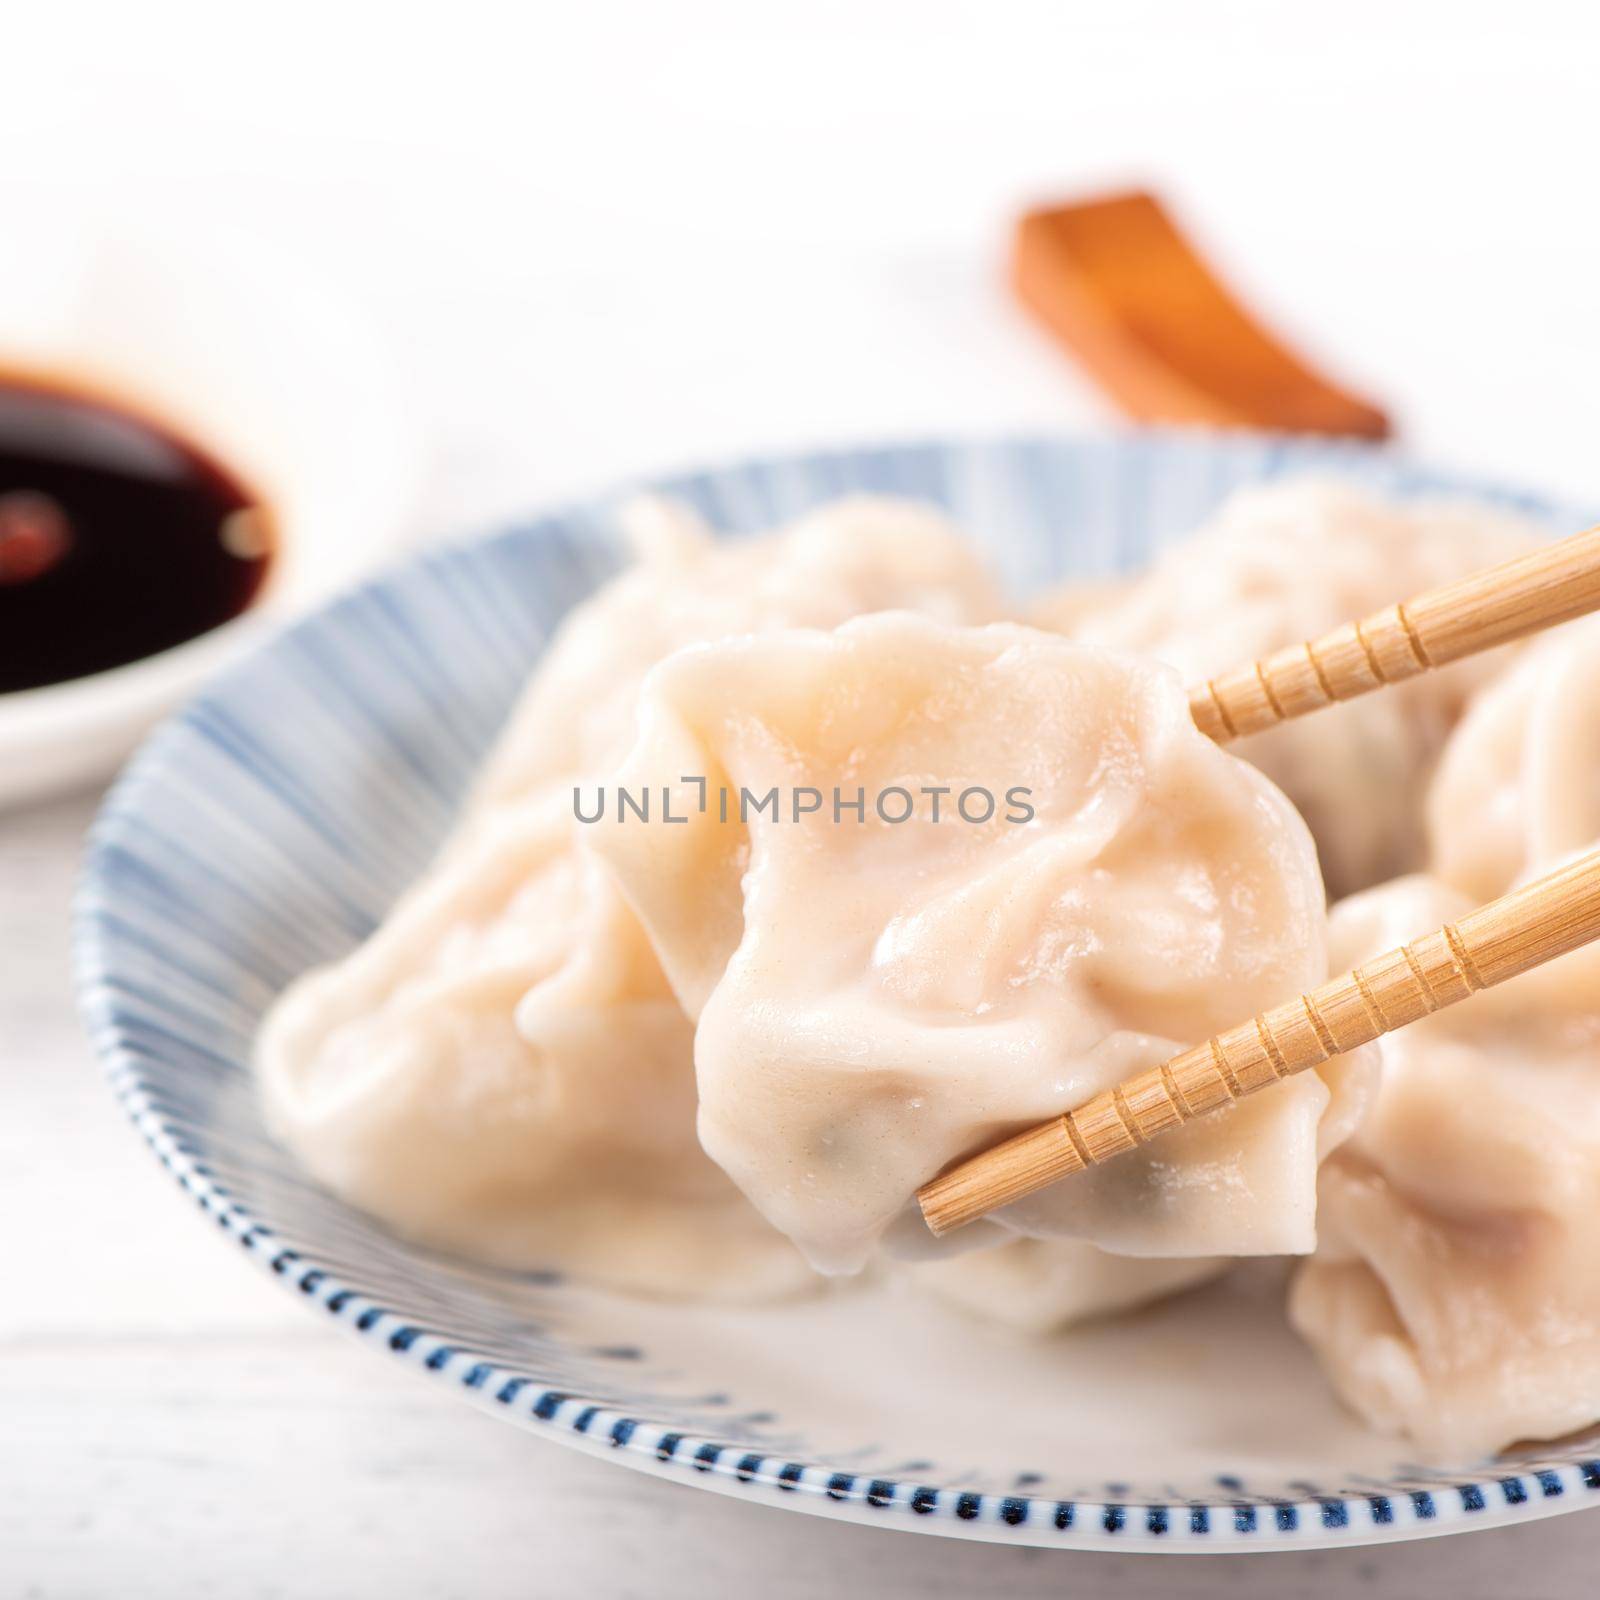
(485, 956)
(196, 443)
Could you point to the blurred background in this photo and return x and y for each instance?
(557, 245)
(615, 236)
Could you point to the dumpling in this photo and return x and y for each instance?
(502, 1070)
(1285, 563)
(1516, 792)
(1041, 1286)
(879, 992)
(1455, 1292)
(1455, 1295)
(576, 717)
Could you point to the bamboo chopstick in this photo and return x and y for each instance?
(1519, 931)
(1532, 925)
(1553, 584)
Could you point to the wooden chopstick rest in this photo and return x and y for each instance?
(1519, 931)
(1119, 285)
(1522, 596)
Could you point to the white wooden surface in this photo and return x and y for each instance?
(615, 236)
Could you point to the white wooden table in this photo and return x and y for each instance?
(620, 236)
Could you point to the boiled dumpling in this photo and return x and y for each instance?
(1455, 1292)
(575, 719)
(876, 997)
(1286, 563)
(502, 1070)
(1516, 791)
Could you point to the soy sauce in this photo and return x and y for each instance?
(118, 538)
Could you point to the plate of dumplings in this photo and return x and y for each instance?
(561, 961)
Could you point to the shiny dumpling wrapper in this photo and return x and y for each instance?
(876, 999)
(501, 1070)
(1455, 1293)
(1284, 563)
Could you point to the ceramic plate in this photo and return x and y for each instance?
(270, 824)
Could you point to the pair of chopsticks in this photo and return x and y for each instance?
(1511, 935)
